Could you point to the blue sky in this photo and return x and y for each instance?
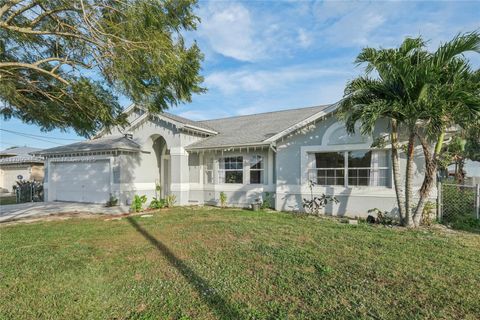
(269, 55)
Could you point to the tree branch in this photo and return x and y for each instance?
(20, 11)
(33, 67)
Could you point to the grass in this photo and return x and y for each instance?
(8, 200)
(189, 263)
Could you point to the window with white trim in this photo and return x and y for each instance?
(230, 170)
(350, 168)
(208, 177)
(256, 169)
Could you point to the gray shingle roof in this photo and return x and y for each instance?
(19, 155)
(252, 129)
(19, 151)
(107, 143)
(187, 121)
(233, 131)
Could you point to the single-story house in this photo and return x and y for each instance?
(18, 163)
(245, 157)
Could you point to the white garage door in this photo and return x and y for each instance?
(81, 181)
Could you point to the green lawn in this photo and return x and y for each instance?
(189, 263)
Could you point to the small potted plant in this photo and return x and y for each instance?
(257, 204)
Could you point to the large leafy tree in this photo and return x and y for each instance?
(421, 94)
(64, 62)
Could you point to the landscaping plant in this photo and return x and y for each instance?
(170, 200)
(138, 202)
(223, 199)
(113, 201)
(316, 204)
(157, 203)
(267, 202)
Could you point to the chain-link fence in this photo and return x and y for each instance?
(458, 202)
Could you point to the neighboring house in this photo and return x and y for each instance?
(471, 170)
(18, 164)
(243, 156)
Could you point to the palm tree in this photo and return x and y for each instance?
(413, 89)
(450, 97)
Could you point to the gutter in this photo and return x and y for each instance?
(224, 147)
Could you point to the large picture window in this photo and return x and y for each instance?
(330, 168)
(350, 168)
(256, 169)
(230, 170)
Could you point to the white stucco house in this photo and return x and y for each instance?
(18, 163)
(243, 156)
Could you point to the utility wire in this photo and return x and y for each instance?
(36, 135)
(26, 136)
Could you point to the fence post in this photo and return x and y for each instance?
(439, 201)
(477, 202)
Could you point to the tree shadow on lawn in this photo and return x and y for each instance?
(217, 303)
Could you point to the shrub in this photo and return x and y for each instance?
(316, 204)
(428, 213)
(113, 201)
(138, 202)
(170, 200)
(267, 202)
(383, 217)
(223, 199)
(157, 203)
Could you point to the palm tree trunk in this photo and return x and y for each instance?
(399, 193)
(431, 166)
(428, 180)
(409, 179)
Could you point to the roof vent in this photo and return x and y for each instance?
(128, 136)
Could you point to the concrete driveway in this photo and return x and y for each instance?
(38, 209)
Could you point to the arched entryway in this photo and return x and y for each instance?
(162, 154)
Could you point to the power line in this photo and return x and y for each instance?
(36, 135)
(26, 136)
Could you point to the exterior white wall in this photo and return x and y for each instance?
(9, 173)
(140, 173)
(238, 195)
(284, 170)
(291, 168)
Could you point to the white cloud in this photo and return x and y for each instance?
(249, 80)
(229, 30)
(304, 38)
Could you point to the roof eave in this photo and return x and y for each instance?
(243, 145)
(88, 150)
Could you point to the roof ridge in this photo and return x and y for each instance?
(263, 113)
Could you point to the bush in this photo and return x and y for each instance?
(316, 204)
(267, 202)
(223, 199)
(138, 202)
(157, 203)
(170, 200)
(428, 214)
(113, 201)
(383, 217)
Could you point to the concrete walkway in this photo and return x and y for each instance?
(31, 210)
